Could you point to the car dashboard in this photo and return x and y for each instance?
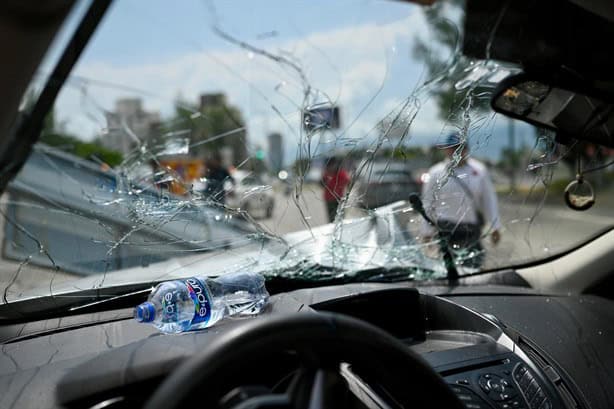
(496, 346)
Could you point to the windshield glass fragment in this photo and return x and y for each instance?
(285, 139)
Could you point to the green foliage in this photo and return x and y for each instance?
(558, 186)
(206, 125)
(89, 150)
(407, 153)
(403, 152)
(256, 165)
(440, 52)
(53, 136)
(513, 159)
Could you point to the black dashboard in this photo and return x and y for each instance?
(496, 346)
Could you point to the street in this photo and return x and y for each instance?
(530, 231)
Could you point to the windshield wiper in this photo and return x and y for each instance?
(78, 302)
(302, 275)
(305, 275)
(448, 260)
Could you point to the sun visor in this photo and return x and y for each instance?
(543, 35)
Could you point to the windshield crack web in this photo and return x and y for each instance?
(154, 165)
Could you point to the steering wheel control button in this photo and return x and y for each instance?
(516, 404)
(483, 382)
(465, 397)
(519, 372)
(510, 391)
(537, 400)
(526, 380)
(535, 396)
(469, 399)
(532, 390)
(495, 386)
(503, 396)
(456, 389)
(489, 380)
(546, 404)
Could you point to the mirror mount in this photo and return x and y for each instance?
(560, 103)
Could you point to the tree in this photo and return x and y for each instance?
(212, 126)
(512, 160)
(445, 64)
(394, 126)
(55, 135)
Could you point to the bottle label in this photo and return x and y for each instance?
(201, 298)
(169, 306)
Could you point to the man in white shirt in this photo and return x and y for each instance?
(459, 197)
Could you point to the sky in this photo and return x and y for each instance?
(356, 54)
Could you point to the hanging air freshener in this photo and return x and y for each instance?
(579, 194)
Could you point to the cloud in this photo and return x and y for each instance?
(366, 69)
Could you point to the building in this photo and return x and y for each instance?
(128, 122)
(217, 99)
(276, 151)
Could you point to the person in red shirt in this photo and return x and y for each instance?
(335, 180)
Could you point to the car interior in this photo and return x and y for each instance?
(534, 335)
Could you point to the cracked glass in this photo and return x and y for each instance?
(299, 140)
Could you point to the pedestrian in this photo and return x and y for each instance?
(459, 197)
(159, 176)
(335, 180)
(217, 177)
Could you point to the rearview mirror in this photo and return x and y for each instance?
(570, 111)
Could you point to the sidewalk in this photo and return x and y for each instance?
(604, 200)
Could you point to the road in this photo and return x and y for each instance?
(531, 231)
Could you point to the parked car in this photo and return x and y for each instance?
(385, 182)
(252, 193)
(60, 214)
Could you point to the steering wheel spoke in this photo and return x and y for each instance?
(317, 389)
(254, 397)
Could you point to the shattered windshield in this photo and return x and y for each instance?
(296, 139)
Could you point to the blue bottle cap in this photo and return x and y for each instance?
(145, 312)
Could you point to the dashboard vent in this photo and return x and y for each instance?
(538, 359)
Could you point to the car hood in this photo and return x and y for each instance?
(373, 241)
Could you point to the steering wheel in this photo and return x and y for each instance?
(339, 358)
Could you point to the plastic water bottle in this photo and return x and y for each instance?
(199, 302)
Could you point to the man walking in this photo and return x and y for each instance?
(460, 198)
(217, 175)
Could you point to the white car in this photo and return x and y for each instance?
(252, 193)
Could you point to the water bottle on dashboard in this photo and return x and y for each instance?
(199, 302)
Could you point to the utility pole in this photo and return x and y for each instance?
(511, 134)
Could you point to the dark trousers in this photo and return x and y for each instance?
(331, 208)
(464, 241)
